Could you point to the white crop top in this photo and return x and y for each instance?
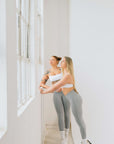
(67, 86)
(58, 77)
(55, 77)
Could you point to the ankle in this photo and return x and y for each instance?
(66, 132)
(62, 133)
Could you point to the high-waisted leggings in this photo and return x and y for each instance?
(76, 106)
(62, 106)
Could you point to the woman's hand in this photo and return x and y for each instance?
(42, 91)
(44, 86)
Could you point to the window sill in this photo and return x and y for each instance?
(2, 132)
(22, 108)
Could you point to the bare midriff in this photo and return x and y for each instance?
(67, 90)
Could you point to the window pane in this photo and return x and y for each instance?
(25, 51)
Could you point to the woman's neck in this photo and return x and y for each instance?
(54, 68)
(65, 71)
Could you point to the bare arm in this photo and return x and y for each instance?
(44, 80)
(57, 85)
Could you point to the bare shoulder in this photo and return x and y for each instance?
(67, 76)
(47, 72)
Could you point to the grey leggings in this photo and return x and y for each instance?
(62, 106)
(76, 106)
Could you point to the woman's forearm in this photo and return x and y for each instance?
(56, 86)
(44, 86)
(51, 89)
(48, 90)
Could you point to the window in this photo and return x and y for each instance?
(25, 53)
(3, 70)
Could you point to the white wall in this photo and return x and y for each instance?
(3, 69)
(92, 50)
(25, 129)
(56, 42)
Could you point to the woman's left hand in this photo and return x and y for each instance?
(42, 91)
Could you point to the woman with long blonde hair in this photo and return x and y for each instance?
(67, 83)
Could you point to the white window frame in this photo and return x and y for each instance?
(25, 54)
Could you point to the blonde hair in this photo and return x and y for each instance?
(70, 69)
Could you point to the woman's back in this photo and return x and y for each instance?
(69, 85)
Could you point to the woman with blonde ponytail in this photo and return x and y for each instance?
(67, 83)
(70, 69)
